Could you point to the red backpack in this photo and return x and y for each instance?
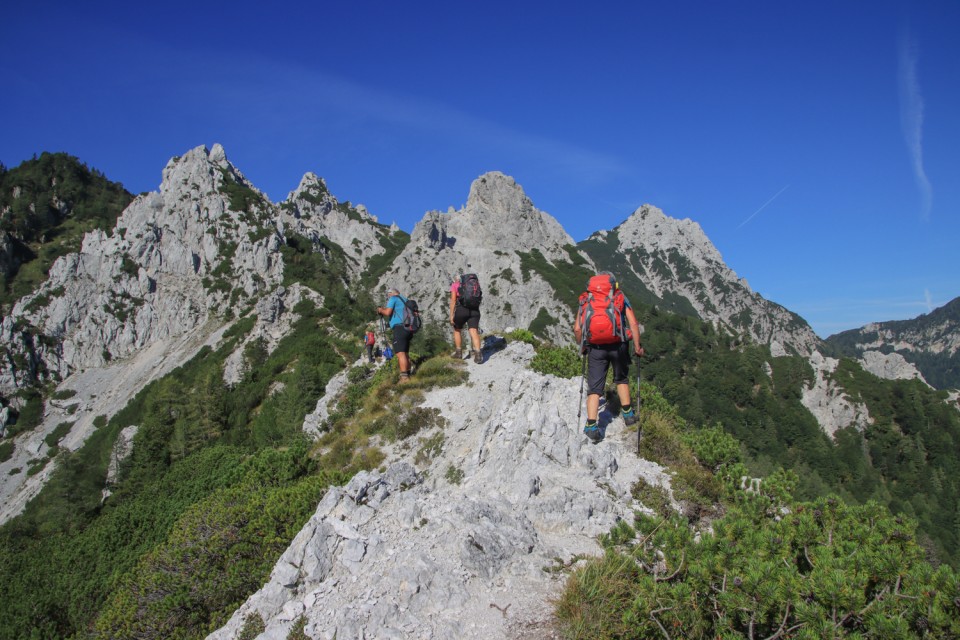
(370, 338)
(601, 312)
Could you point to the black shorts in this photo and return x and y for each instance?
(470, 317)
(599, 358)
(401, 339)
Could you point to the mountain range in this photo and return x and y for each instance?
(173, 276)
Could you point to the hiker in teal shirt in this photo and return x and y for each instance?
(401, 336)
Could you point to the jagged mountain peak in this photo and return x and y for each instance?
(649, 226)
(498, 192)
(495, 235)
(498, 216)
(203, 170)
(309, 183)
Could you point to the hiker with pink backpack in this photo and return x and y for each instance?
(465, 299)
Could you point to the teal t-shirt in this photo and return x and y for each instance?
(396, 303)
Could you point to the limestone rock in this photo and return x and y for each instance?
(409, 553)
(890, 366)
(828, 401)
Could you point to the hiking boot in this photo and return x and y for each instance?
(592, 431)
(629, 417)
(478, 357)
(458, 355)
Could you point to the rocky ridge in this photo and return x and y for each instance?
(673, 264)
(466, 544)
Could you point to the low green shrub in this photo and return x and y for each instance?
(563, 362)
(454, 475)
(801, 570)
(522, 335)
(253, 626)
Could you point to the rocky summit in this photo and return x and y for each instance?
(491, 236)
(469, 543)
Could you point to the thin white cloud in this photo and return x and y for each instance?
(929, 299)
(911, 119)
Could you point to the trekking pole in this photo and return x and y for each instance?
(638, 406)
(583, 376)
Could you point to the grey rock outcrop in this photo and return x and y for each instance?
(153, 278)
(465, 544)
(487, 237)
(890, 366)
(312, 212)
(829, 402)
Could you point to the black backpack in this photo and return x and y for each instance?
(411, 315)
(470, 295)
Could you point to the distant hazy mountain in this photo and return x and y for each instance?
(930, 341)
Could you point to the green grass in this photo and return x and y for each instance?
(380, 405)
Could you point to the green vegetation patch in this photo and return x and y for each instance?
(563, 362)
(322, 267)
(378, 404)
(58, 199)
(568, 279)
(543, 320)
(242, 198)
(770, 568)
(6, 450)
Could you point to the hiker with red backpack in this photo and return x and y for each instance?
(604, 327)
(465, 299)
(369, 340)
(405, 320)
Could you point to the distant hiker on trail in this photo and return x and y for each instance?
(404, 321)
(603, 337)
(465, 299)
(369, 340)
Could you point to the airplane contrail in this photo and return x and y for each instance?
(763, 207)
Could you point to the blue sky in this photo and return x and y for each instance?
(816, 143)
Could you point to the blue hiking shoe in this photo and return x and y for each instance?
(592, 431)
(629, 417)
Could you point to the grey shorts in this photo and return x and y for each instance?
(599, 359)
